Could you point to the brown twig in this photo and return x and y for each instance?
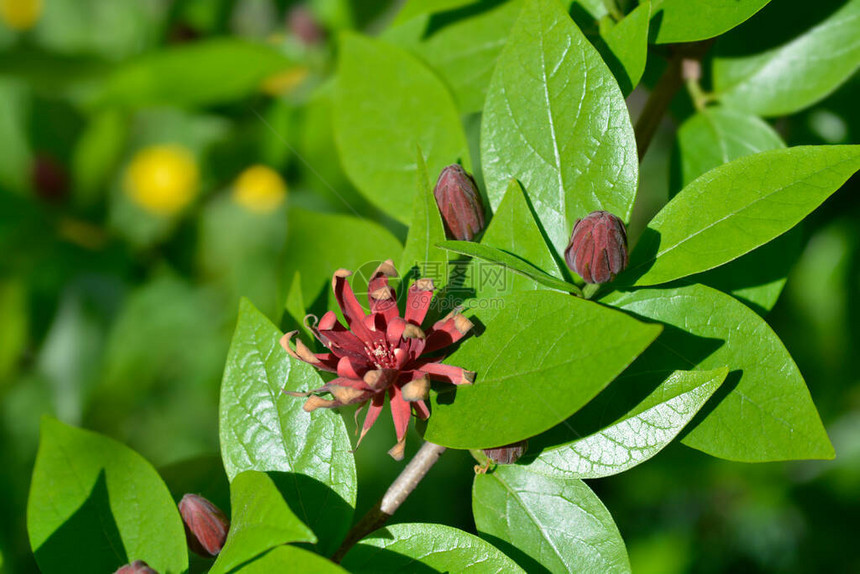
(684, 66)
(399, 490)
(657, 104)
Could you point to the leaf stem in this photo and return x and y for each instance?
(691, 71)
(399, 490)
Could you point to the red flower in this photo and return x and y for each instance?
(381, 353)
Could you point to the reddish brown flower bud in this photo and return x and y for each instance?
(508, 454)
(302, 22)
(460, 203)
(597, 251)
(50, 180)
(136, 567)
(206, 526)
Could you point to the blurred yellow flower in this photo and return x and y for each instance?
(162, 179)
(284, 82)
(259, 189)
(20, 14)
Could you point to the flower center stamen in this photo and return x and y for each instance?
(381, 355)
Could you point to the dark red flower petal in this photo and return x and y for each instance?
(447, 331)
(418, 300)
(380, 295)
(449, 373)
(352, 311)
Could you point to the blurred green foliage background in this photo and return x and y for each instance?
(150, 152)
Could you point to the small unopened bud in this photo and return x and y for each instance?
(302, 22)
(460, 203)
(206, 526)
(136, 567)
(50, 180)
(597, 251)
(508, 454)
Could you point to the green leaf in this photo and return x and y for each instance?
(550, 354)
(380, 119)
(513, 229)
(708, 139)
(460, 43)
(296, 311)
(511, 262)
(291, 559)
(555, 120)
(692, 20)
(636, 437)
(425, 232)
(114, 30)
(435, 547)
(628, 44)
(318, 244)
(718, 135)
(193, 74)
(264, 429)
(15, 327)
(544, 523)
(413, 8)
(97, 155)
(597, 9)
(795, 75)
(260, 521)
(96, 505)
(757, 278)
(15, 161)
(736, 207)
(763, 412)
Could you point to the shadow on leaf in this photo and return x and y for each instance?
(673, 350)
(322, 509)
(88, 541)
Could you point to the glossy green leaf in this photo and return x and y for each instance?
(545, 523)
(692, 20)
(512, 262)
(413, 8)
(708, 139)
(261, 520)
(763, 411)
(628, 43)
(550, 356)
(758, 277)
(425, 232)
(380, 119)
(636, 437)
(96, 505)
(795, 75)
(266, 430)
(555, 120)
(736, 207)
(426, 548)
(718, 135)
(460, 43)
(318, 244)
(291, 559)
(194, 74)
(597, 9)
(513, 229)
